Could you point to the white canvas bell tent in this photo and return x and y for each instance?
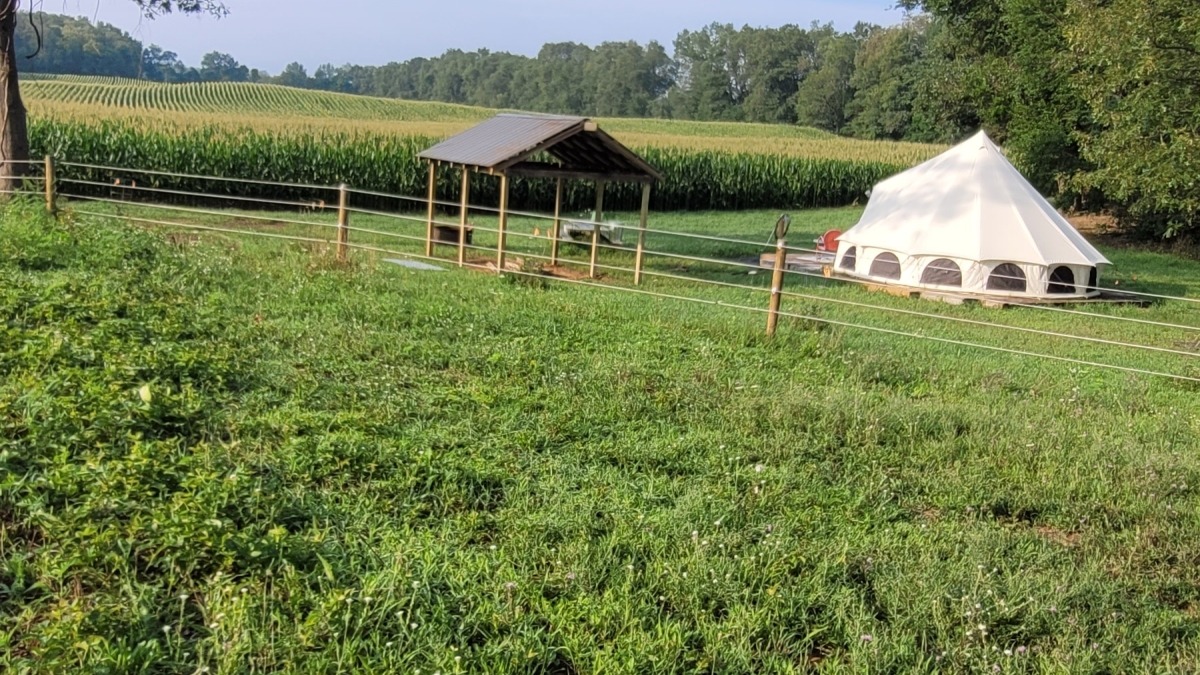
(968, 222)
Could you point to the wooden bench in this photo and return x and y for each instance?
(581, 231)
(448, 234)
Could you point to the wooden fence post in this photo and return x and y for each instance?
(641, 243)
(558, 195)
(432, 198)
(49, 179)
(776, 286)
(343, 221)
(503, 228)
(599, 216)
(464, 209)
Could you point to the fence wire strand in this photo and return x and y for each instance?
(316, 205)
(192, 176)
(600, 245)
(202, 212)
(565, 260)
(719, 303)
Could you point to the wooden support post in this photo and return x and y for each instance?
(641, 243)
(343, 221)
(432, 199)
(776, 286)
(599, 216)
(558, 195)
(50, 206)
(463, 209)
(503, 228)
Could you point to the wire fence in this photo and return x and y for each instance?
(123, 199)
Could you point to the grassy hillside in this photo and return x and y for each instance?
(274, 108)
(236, 454)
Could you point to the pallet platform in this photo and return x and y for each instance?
(798, 262)
(1106, 297)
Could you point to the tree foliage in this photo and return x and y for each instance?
(1099, 100)
(825, 96)
(220, 67)
(1138, 67)
(294, 75)
(74, 46)
(886, 74)
(14, 132)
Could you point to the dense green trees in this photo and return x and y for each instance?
(1099, 100)
(824, 98)
(887, 70)
(294, 75)
(164, 66)
(219, 67)
(74, 46)
(1137, 66)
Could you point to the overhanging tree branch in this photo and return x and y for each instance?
(36, 31)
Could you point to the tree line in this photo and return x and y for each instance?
(860, 83)
(1098, 100)
(66, 45)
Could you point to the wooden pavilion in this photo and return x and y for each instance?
(513, 144)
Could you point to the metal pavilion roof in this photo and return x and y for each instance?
(509, 142)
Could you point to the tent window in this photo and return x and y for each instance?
(1062, 280)
(1007, 277)
(850, 259)
(942, 272)
(886, 266)
(1093, 280)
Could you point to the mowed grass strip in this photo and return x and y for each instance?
(238, 454)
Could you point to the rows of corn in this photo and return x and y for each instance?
(285, 110)
(204, 97)
(693, 179)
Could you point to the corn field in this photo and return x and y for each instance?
(693, 179)
(300, 112)
(241, 97)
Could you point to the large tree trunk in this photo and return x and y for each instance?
(14, 132)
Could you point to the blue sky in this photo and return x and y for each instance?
(269, 34)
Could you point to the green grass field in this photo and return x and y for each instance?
(236, 454)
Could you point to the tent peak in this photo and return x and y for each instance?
(981, 141)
